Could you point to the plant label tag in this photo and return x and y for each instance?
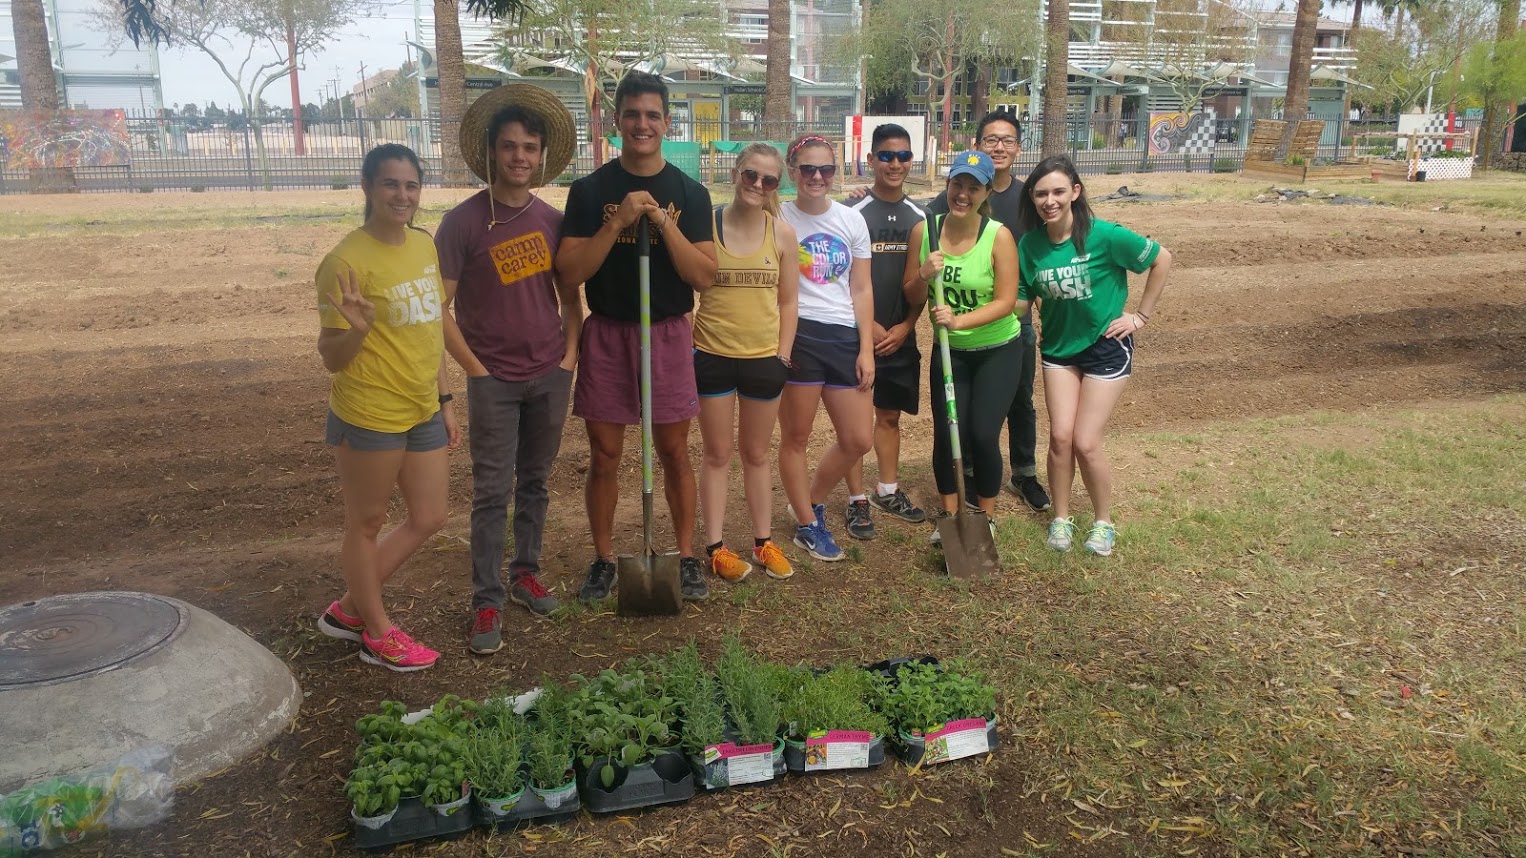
(837, 749)
(745, 764)
(956, 740)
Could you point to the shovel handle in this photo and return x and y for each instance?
(644, 264)
(951, 407)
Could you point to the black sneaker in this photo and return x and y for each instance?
(1031, 491)
(860, 526)
(691, 579)
(601, 576)
(898, 505)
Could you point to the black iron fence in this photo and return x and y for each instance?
(175, 154)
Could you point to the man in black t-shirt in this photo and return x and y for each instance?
(1000, 136)
(598, 248)
(890, 216)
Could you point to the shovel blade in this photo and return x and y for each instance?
(969, 549)
(648, 586)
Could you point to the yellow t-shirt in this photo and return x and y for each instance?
(390, 386)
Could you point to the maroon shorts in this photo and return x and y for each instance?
(609, 372)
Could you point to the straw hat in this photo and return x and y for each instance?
(561, 135)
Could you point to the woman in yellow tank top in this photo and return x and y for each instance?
(744, 329)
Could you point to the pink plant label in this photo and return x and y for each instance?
(837, 749)
(955, 741)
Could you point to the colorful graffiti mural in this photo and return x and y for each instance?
(32, 140)
(1181, 132)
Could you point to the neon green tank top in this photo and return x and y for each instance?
(968, 282)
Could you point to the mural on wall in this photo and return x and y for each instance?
(1177, 132)
(64, 139)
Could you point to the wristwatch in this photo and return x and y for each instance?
(446, 397)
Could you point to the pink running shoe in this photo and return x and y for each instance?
(396, 651)
(337, 624)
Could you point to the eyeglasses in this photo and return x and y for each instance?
(810, 171)
(1005, 142)
(889, 155)
(753, 177)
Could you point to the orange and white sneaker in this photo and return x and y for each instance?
(773, 560)
(396, 651)
(729, 565)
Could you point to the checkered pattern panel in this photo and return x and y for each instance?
(1200, 138)
(1435, 123)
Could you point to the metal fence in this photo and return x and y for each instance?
(174, 154)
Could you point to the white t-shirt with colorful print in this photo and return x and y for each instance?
(828, 245)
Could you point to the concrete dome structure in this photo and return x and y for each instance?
(87, 677)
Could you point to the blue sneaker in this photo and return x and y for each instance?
(816, 539)
(1101, 538)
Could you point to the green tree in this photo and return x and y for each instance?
(1495, 73)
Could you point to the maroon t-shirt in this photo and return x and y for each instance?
(506, 304)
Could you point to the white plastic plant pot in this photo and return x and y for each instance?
(372, 823)
(451, 808)
(500, 807)
(556, 796)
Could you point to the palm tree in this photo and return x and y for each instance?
(451, 68)
(1296, 107)
(778, 97)
(1493, 132)
(34, 57)
(1057, 76)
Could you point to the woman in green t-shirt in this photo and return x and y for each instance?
(974, 267)
(1076, 267)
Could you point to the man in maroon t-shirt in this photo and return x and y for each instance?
(515, 333)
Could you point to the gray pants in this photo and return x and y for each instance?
(515, 432)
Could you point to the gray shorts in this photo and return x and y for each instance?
(423, 438)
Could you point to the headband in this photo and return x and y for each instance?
(809, 139)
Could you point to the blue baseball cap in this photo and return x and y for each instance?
(973, 163)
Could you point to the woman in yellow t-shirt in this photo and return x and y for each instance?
(390, 419)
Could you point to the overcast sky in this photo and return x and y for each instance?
(191, 76)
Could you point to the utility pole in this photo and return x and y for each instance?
(365, 91)
(338, 92)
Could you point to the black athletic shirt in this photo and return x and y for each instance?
(614, 290)
(1004, 212)
(890, 226)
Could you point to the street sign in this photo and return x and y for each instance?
(471, 82)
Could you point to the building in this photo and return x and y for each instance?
(360, 93)
(94, 69)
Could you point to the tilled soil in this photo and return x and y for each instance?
(165, 434)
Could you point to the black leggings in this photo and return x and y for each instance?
(984, 383)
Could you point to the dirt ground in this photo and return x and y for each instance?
(164, 433)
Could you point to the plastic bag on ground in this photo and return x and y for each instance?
(133, 791)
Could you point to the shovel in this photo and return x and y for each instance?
(969, 549)
(648, 584)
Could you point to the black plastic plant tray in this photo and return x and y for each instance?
(530, 809)
(415, 820)
(716, 775)
(910, 750)
(665, 780)
(889, 666)
(795, 758)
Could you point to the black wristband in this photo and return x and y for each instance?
(446, 397)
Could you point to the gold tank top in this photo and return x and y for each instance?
(738, 316)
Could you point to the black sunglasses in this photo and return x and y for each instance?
(888, 155)
(752, 177)
(809, 171)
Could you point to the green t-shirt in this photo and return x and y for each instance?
(968, 282)
(1080, 295)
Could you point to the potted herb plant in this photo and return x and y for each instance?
(941, 712)
(549, 745)
(494, 761)
(373, 796)
(624, 723)
(832, 724)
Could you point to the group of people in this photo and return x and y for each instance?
(800, 305)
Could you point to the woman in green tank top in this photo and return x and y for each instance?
(972, 261)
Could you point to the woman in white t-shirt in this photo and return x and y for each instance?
(833, 359)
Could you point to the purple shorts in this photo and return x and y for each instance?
(609, 372)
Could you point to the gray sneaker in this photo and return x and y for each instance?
(487, 633)
(601, 577)
(898, 505)
(526, 590)
(860, 525)
(691, 579)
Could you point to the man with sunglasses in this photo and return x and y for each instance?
(890, 216)
(1000, 135)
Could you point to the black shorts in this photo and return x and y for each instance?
(1106, 359)
(898, 381)
(825, 354)
(752, 378)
